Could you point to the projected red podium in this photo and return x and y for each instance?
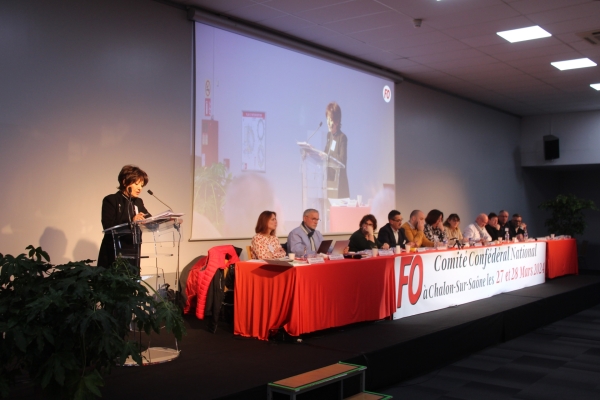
(162, 232)
(316, 188)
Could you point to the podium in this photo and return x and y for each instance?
(317, 184)
(162, 229)
(162, 232)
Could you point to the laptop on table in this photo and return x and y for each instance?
(339, 246)
(324, 247)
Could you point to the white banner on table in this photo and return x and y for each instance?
(435, 280)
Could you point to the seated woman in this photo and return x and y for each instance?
(364, 238)
(492, 227)
(434, 226)
(452, 230)
(265, 245)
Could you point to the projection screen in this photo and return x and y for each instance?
(261, 138)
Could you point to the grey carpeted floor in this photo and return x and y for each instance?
(558, 361)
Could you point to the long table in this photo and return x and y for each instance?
(308, 298)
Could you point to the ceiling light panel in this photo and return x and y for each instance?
(573, 64)
(522, 34)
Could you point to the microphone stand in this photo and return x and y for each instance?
(313, 134)
(152, 194)
(129, 208)
(134, 229)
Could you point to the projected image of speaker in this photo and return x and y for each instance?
(551, 148)
(268, 117)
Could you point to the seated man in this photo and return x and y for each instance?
(476, 231)
(492, 227)
(502, 223)
(413, 229)
(391, 233)
(306, 237)
(516, 227)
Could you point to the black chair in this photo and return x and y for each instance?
(227, 304)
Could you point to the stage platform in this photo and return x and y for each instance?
(225, 366)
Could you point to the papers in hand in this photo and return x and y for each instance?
(161, 217)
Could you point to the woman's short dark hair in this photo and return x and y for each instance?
(334, 111)
(262, 225)
(451, 217)
(492, 215)
(433, 216)
(369, 217)
(131, 174)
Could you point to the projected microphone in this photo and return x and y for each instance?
(313, 134)
(152, 194)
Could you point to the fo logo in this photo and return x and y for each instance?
(387, 94)
(413, 265)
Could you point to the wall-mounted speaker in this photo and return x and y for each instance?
(551, 148)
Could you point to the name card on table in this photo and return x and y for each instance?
(388, 252)
(336, 256)
(315, 260)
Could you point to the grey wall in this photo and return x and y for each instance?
(575, 172)
(90, 86)
(546, 183)
(582, 183)
(87, 87)
(455, 156)
(578, 133)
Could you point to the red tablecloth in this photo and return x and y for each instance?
(309, 298)
(561, 258)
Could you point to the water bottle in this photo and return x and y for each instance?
(506, 235)
(436, 242)
(525, 235)
(445, 243)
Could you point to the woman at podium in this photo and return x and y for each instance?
(123, 207)
(337, 147)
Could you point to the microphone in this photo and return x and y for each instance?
(130, 205)
(313, 134)
(134, 228)
(152, 194)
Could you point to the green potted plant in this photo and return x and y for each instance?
(567, 214)
(66, 326)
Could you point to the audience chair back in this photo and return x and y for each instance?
(249, 253)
